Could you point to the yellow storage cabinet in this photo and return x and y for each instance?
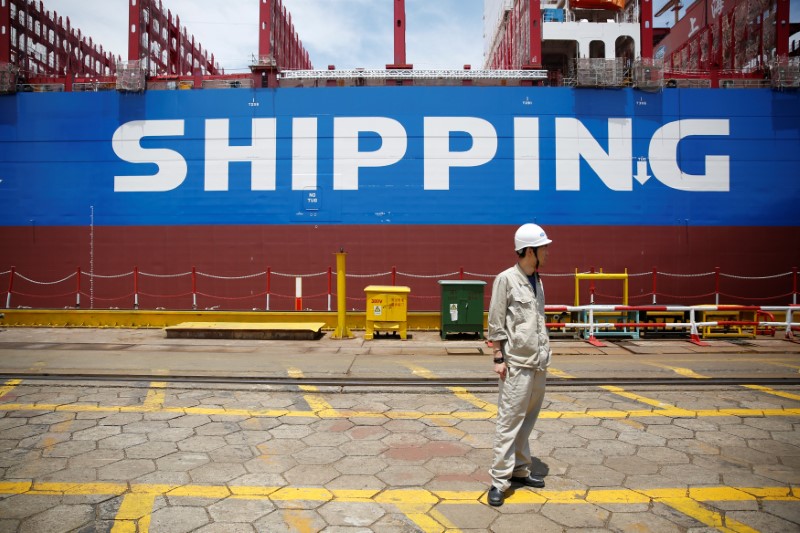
(386, 310)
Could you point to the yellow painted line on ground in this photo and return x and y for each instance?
(315, 402)
(460, 392)
(134, 513)
(559, 373)
(676, 411)
(409, 415)
(696, 510)
(468, 397)
(9, 386)
(417, 504)
(774, 392)
(685, 372)
(155, 396)
(296, 373)
(420, 497)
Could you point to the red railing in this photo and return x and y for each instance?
(271, 290)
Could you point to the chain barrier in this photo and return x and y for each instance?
(45, 295)
(705, 295)
(165, 275)
(755, 299)
(427, 276)
(92, 275)
(480, 275)
(46, 282)
(179, 295)
(393, 273)
(246, 276)
(325, 273)
(362, 276)
(669, 275)
(774, 276)
(564, 275)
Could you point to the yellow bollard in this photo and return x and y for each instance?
(342, 331)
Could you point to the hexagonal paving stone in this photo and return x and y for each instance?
(201, 444)
(232, 454)
(36, 468)
(662, 455)
(356, 482)
(182, 461)
(69, 448)
(290, 521)
(407, 475)
(217, 428)
(238, 510)
(631, 465)
(332, 426)
(360, 465)
(596, 475)
(21, 506)
(521, 521)
(359, 433)
(311, 475)
(216, 473)
(125, 469)
(364, 448)
(318, 455)
(189, 421)
(571, 515)
(59, 518)
(351, 514)
(470, 517)
(96, 433)
(178, 519)
(641, 523)
(151, 450)
(281, 447)
(266, 464)
(122, 441)
(286, 431)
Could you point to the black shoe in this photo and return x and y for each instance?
(495, 497)
(530, 481)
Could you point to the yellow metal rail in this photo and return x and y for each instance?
(119, 318)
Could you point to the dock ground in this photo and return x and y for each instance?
(128, 430)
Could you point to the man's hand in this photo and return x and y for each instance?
(500, 370)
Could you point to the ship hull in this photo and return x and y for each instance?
(222, 198)
(237, 267)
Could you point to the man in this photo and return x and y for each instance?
(521, 350)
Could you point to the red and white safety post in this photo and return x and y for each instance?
(298, 294)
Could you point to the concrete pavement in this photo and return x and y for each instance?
(162, 456)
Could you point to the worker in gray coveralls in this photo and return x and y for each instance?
(521, 350)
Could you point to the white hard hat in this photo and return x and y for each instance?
(530, 235)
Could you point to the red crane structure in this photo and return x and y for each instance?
(713, 42)
(36, 43)
(162, 45)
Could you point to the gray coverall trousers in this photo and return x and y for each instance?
(518, 406)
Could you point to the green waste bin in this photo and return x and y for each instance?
(462, 307)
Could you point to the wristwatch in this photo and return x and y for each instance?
(499, 360)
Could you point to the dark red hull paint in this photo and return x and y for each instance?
(47, 254)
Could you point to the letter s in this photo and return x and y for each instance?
(126, 143)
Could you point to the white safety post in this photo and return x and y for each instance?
(298, 294)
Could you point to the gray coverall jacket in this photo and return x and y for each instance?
(517, 320)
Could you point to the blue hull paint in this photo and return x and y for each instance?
(58, 165)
